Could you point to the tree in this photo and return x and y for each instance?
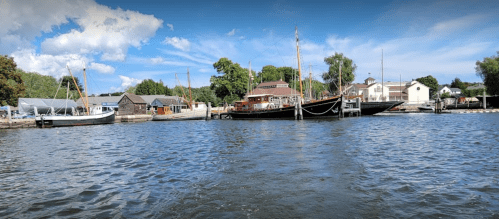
(11, 82)
(488, 70)
(430, 82)
(44, 86)
(149, 87)
(445, 95)
(69, 80)
(232, 84)
(205, 94)
(332, 76)
(457, 83)
(130, 90)
(269, 73)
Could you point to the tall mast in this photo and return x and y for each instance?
(189, 82)
(182, 88)
(341, 63)
(382, 81)
(250, 76)
(78, 89)
(299, 64)
(86, 89)
(310, 80)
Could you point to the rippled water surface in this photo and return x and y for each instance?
(410, 165)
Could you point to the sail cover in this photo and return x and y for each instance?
(27, 106)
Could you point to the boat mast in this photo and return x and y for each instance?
(182, 88)
(382, 82)
(190, 93)
(341, 63)
(77, 88)
(310, 81)
(298, 55)
(249, 83)
(86, 90)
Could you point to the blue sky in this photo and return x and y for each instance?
(124, 42)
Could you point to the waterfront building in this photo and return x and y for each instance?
(279, 89)
(454, 92)
(131, 104)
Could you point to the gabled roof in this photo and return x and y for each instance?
(474, 87)
(92, 101)
(150, 98)
(360, 86)
(270, 83)
(278, 91)
(370, 79)
(455, 90)
(167, 101)
(134, 98)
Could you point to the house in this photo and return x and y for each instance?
(398, 93)
(131, 104)
(476, 86)
(279, 89)
(452, 91)
(174, 104)
(417, 93)
(369, 90)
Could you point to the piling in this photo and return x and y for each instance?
(300, 111)
(9, 114)
(296, 111)
(484, 100)
(52, 111)
(358, 105)
(208, 111)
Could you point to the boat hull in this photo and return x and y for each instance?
(321, 109)
(371, 108)
(61, 121)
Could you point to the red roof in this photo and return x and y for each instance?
(270, 83)
(360, 86)
(279, 91)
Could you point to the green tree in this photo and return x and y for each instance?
(457, 83)
(347, 71)
(488, 70)
(150, 87)
(269, 73)
(430, 82)
(445, 95)
(72, 86)
(232, 82)
(43, 86)
(130, 90)
(205, 94)
(11, 82)
(473, 93)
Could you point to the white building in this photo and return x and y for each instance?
(417, 93)
(452, 91)
(376, 92)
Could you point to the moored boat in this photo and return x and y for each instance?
(371, 108)
(48, 121)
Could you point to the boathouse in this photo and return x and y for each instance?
(131, 104)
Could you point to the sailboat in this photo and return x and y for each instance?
(265, 106)
(94, 115)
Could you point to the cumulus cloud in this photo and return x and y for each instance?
(232, 32)
(102, 68)
(179, 43)
(127, 82)
(170, 26)
(106, 31)
(51, 65)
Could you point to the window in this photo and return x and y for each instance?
(419, 88)
(196, 105)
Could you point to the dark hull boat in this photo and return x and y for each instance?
(60, 121)
(320, 109)
(371, 108)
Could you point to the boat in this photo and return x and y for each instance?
(94, 115)
(260, 107)
(426, 107)
(264, 106)
(371, 108)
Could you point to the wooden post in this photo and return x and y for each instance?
(36, 111)
(358, 105)
(300, 112)
(52, 111)
(296, 111)
(9, 114)
(484, 100)
(208, 111)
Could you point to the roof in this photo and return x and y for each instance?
(360, 86)
(150, 98)
(134, 98)
(370, 79)
(455, 89)
(92, 101)
(417, 82)
(167, 101)
(474, 87)
(260, 95)
(270, 83)
(278, 91)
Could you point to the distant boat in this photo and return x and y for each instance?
(95, 115)
(426, 107)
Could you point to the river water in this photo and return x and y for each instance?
(405, 165)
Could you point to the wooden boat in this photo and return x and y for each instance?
(426, 107)
(259, 107)
(95, 115)
(45, 121)
(371, 108)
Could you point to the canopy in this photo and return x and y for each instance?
(27, 105)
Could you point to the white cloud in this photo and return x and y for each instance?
(51, 65)
(197, 57)
(179, 43)
(102, 68)
(106, 31)
(127, 82)
(232, 32)
(170, 26)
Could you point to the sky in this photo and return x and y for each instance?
(124, 42)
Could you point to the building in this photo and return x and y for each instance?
(369, 90)
(131, 104)
(452, 91)
(279, 89)
(417, 93)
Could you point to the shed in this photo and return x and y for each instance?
(131, 104)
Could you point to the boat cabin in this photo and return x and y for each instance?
(255, 102)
